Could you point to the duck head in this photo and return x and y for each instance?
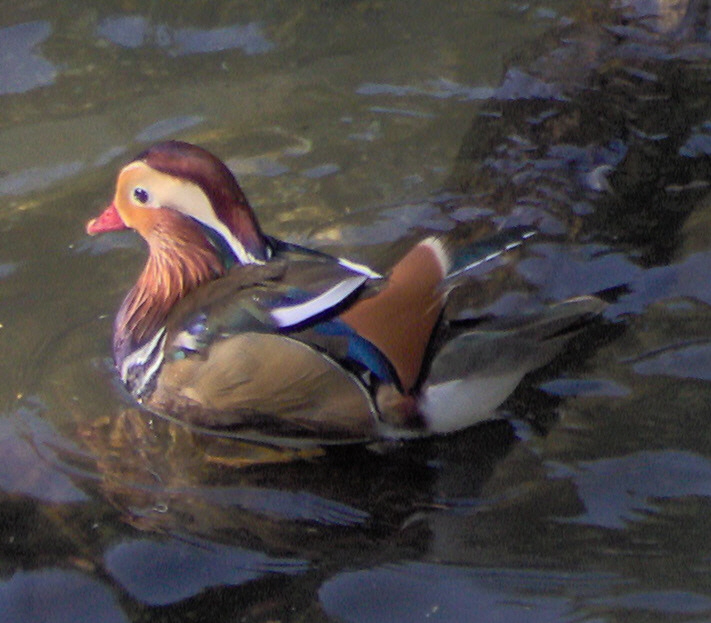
(197, 222)
(175, 179)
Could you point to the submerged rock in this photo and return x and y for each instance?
(611, 113)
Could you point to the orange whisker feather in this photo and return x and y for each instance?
(180, 260)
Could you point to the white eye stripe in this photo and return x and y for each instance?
(183, 196)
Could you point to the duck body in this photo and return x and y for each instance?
(229, 328)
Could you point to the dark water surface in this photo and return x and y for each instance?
(589, 501)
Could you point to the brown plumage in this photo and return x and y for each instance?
(400, 318)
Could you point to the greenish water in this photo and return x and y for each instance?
(589, 503)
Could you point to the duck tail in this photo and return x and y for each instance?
(463, 261)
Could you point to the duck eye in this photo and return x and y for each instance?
(140, 195)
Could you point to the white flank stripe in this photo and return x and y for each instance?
(141, 356)
(458, 404)
(295, 314)
(152, 369)
(359, 268)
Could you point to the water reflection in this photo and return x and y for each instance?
(135, 31)
(321, 170)
(390, 224)
(21, 67)
(162, 573)
(685, 279)
(418, 591)
(518, 84)
(586, 387)
(440, 89)
(691, 361)
(620, 490)
(168, 127)
(574, 270)
(57, 596)
(659, 603)
(29, 465)
(699, 143)
(7, 268)
(38, 178)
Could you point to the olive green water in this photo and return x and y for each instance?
(589, 504)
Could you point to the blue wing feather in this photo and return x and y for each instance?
(359, 350)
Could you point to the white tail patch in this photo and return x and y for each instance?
(454, 405)
(437, 247)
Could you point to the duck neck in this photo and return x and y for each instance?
(181, 259)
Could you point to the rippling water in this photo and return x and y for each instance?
(357, 127)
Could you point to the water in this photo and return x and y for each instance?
(343, 120)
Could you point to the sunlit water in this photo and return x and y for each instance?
(343, 121)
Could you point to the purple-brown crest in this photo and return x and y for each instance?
(199, 166)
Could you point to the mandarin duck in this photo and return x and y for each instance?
(228, 327)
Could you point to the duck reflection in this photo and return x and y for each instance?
(219, 511)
